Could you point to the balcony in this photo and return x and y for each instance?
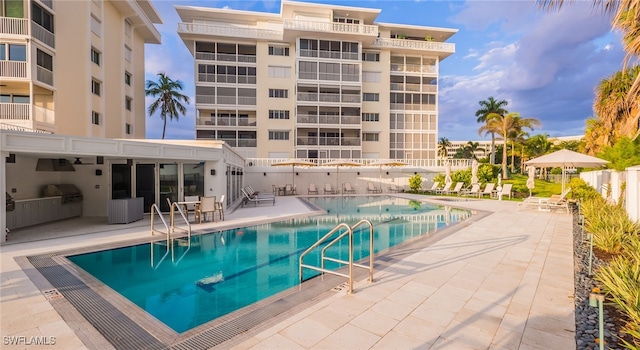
(44, 75)
(226, 100)
(328, 119)
(228, 31)
(328, 141)
(14, 69)
(43, 35)
(25, 114)
(225, 57)
(327, 97)
(415, 45)
(14, 26)
(331, 27)
(413, 68)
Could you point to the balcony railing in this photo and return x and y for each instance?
(216, 30)
(328, 141)
(415, 45)
(412, 107)
(44, 75)
(15, 26)
(328, 97)
(14, 69)
(225, 57)
(405, 87)
(247, 143)
(328, 119)
(412, 68)
(331, 27)
(330, 54)
(226, 100)
(43, 35)
(25, 112)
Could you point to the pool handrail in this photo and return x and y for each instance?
(370, 267)
(320, 241)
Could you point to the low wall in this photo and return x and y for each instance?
(602, 180)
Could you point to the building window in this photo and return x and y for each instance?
(278, 114)
(346, 20)
(127, 78)
(13, 9)
(279, 72)
(371, 56)
(95, 87)
(279, 93)
(127, 128)
(367, 136)
(14, 52)
(95, 118)
(128, 101)
(371, 77)
(95, 26)
(278, 50)
(369, 96)
(278, 135)
(370, 117)
(95, 56)
(44, 60)
(42, 17)
(127, 53)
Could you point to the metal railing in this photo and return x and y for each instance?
(44, 75)
(156, 210)
(14, 69)
(323, 258)
(15, 26)
(217, 30)
(417, 163)
(42, 34)
(415, 44)
(332, 27)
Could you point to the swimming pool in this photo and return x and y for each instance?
(221, 272)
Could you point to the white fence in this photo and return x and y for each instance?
(609, 184)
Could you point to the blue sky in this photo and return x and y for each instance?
(545, 64)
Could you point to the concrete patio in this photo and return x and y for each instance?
(504, 281)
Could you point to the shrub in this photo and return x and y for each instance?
(415, 182)
(582, 191)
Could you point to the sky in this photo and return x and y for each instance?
(545, 64)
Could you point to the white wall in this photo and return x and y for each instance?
(633, 193)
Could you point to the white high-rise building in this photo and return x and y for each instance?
(315, 81)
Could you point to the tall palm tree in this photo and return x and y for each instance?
(503, 126)
(518, 135)
(488, 106)
(472, 147)
(615, 107)
(594, 136)
(169, 101)
(443, 144)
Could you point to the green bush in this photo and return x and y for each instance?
(583, 191)
(488, 173)
(415, 182)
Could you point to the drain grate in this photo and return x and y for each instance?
(115, 326)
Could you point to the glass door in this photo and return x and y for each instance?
(168, 185)
(145, 184)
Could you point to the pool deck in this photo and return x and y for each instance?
(504, 281)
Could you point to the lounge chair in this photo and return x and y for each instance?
(347, 189)
(371, 188)
(328, 189)
(473, 191)
(456, 189)
(547, 203)
(488, 189)
(506, 191)
(433, 188)
(252, 193)
(443, 190)
(312, 189)
(394, 188)
(256, 199)
(290, 190)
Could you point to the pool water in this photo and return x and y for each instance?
(221, 272)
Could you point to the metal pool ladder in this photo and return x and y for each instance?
(348, 231)
(169, 233)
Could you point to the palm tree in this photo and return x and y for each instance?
(472, 147)
(503, 126)
(443, 144)
(594, 136)
(615, 107)
(487, 107)
(517, 135)
(169, 100)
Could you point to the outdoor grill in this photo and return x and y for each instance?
(69, 193)
(11, 203)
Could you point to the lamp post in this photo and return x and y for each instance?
(597, 299)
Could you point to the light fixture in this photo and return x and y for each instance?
(213, 172)
(77, 161)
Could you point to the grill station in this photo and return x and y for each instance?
(69, 193)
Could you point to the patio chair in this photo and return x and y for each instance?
(444, 189)
(346, 188)
(559, 201)
(371, 188)
(190, 207)
(256, 199)
(312, 189)
(220, 207)
(328, 189)
(456, 189)
(394, 188)
(252, 193)
(488, 189)
(473, 191)
(207, 205)
(289, 190)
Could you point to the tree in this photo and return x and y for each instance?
(169, 101)
(538, 145)
(504, 125)
(594, 136)
(615, 107)
(488, 107)
(623, 154)
(473, 147)
(443, 144)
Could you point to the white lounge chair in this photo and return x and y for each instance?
(347, 189)
(456, 189)
(256, 199)
(473, 191)
(312, 189)
(506, 191)
(433, 188)
(444, 189)
(328, 189)
(394, 188)
(488, 189)
(548, 203)
(371, 188)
